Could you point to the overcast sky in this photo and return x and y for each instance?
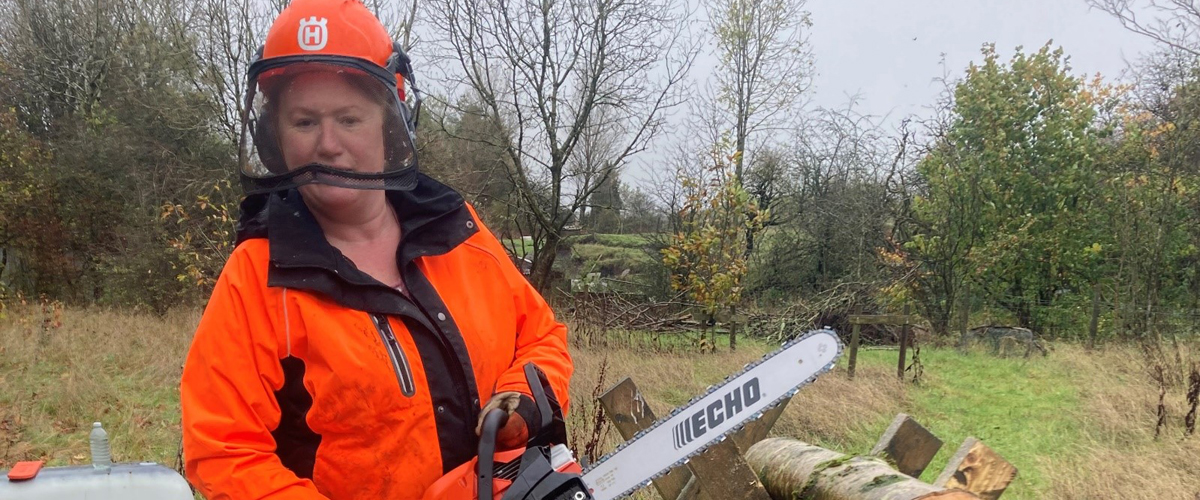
(889, 51)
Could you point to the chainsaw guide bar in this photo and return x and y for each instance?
(709, 418)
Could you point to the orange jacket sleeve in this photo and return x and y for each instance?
(540, 337)
(227, 395)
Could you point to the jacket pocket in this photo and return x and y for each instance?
(396, 354)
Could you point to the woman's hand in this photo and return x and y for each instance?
(514, 432)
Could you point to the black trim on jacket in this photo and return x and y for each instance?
(295, 443)
(434, 219)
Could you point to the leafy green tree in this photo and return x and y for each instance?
(605, 206)
(940, 234)
(29, 227)
(1150, 175)
(107, 86)
(707, 258)
(462, 146)
(1011, 188)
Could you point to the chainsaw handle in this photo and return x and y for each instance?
(487, 450)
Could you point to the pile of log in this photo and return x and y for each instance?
(792, 469)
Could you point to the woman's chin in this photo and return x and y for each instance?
(331, 200)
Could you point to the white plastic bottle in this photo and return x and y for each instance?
(101, 455)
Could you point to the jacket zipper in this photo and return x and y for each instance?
(399, 361)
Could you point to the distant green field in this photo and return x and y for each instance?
(609, 260)
(520, 247)
(613, 240)
(611, 255)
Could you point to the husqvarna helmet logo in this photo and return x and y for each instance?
(313, 35)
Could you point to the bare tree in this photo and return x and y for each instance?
(398, 22)
(765, 70)
(842, 159)
(227, 36)
(766, 64)
(1175, 23)
(545, 69)
(594, 172)
(58, 56)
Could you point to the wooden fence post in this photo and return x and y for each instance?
(854, 344)
(1094, 324)
(903, 346)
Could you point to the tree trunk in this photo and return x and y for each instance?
(1094, 324)
(540, 275)
(749, 239)
(792, 469)
(733, 328)
(965, 314)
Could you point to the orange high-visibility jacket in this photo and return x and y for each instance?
(309, 379)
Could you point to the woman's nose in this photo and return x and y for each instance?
(328, 142)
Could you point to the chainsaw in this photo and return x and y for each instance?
(547, 470)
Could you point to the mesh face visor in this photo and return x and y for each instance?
(325, 120)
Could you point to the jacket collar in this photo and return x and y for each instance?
(433, 220)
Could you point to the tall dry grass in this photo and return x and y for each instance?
(1121, 458)
(61, 370)
(841, 413)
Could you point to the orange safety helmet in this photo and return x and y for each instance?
(341, 37)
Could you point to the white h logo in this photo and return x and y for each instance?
(312, 34)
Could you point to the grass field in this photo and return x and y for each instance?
(1077, 424)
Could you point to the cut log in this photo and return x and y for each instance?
(978, 469)
(792, 469)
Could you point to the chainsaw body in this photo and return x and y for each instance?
(545, 469)
(537, 473)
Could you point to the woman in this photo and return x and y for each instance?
(366, 316)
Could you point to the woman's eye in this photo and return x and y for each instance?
(303, 122)
(350, 120)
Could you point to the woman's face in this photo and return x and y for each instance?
(325, 119)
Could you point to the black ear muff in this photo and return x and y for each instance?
(401, 65)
